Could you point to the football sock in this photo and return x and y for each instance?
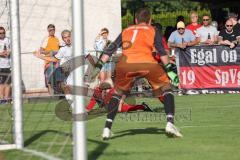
(170, 118)
(169, 106)
(112, 110)
(161, 99)
(96, 98)
(91, 104)
(127, 107)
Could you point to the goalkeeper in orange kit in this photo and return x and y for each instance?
(138, 42)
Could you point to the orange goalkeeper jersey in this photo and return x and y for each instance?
(138, 42)
(142, 44)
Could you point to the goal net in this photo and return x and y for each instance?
(45, 135)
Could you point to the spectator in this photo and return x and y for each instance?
(194, 23)
(234, 18)
(62, 56)
(182, 37)
(101, 42)
(49, 48)
(5, 67)
(229, 36)
(207, 34)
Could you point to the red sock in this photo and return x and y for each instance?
(161, 99)
(127, 107)
(91, 104)
(97, 94)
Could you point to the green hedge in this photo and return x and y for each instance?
(164, 18)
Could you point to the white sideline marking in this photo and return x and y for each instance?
(212, 107)
(54, 143)
(7, 147)
(209, 126)
(40, 154)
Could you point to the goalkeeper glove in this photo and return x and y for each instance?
(96, 70)
(169, 68)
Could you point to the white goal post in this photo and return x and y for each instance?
(16, 78)
(79, 132)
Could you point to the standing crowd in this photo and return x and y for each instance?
(206, 33)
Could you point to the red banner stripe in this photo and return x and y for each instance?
(209, 77)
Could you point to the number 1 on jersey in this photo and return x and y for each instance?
(135, 31)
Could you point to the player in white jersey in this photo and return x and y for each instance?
(5, 67)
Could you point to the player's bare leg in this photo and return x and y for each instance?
(121, 103)
(50, 89)
(102, 76)
(1, 92)
(7, 92)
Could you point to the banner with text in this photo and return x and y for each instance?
(209, 69)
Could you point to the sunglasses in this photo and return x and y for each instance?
(181, 29)
(229, 25)
(205, 19)
(2, 32)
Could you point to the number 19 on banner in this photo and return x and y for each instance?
(188, 77)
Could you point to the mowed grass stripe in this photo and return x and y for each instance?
(211, 133)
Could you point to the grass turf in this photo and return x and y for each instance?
(209, 123)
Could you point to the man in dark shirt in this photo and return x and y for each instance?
(234, 18)
(229, 36)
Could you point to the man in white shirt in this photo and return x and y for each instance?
(63, 55)
(207, 34)
(5, 67)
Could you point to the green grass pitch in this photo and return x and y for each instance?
(210, 125)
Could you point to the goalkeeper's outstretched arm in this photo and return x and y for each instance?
(111, 49)
(106, 54)
(165, 59)
(160, 48)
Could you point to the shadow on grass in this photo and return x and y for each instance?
(101, 146)
(42, 133)
(131, 132)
